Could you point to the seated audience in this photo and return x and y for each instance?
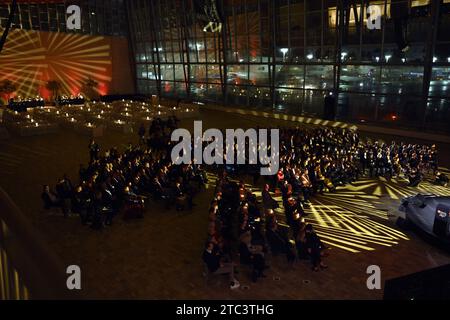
(441, 179)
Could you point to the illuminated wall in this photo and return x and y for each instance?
(31, 58)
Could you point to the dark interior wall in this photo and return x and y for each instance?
(122, 74)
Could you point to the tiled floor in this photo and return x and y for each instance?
(159, 256)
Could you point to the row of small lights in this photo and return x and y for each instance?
(90, 125)
(310, 56)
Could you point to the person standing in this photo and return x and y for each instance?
(97, 222)
(94, 149)
(141, 133)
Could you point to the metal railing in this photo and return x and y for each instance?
(29, 269)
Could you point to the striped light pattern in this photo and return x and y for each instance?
(350, 221)
(31, 58)
(396, 189)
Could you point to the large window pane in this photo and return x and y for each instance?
(319, 77)
(401, 80)
(289, 76)
(359, 78)
(259, 74)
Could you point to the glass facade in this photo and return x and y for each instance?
(98, 17)
(288, 55)
(282, 56)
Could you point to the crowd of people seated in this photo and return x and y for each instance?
(318, 160)
(122, 182)
(311, 162)
(322, 159)
(410, 160)
(241, 229)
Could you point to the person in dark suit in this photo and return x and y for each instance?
(275, 238)
(268, 201)
(252, 254)
(180, 196)
(94, 149)
(65, 191)
(97, 222)
(314, 248)
(110, 203)
(300, 240)
(50, 198)
(141, 133)
(414, 177)
(134, 204)
(441, 179)
(213, 260)
(81, 204)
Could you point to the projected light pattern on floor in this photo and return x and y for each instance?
(347, 223)
(354, 201)
(396, 189)
(344, 229)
